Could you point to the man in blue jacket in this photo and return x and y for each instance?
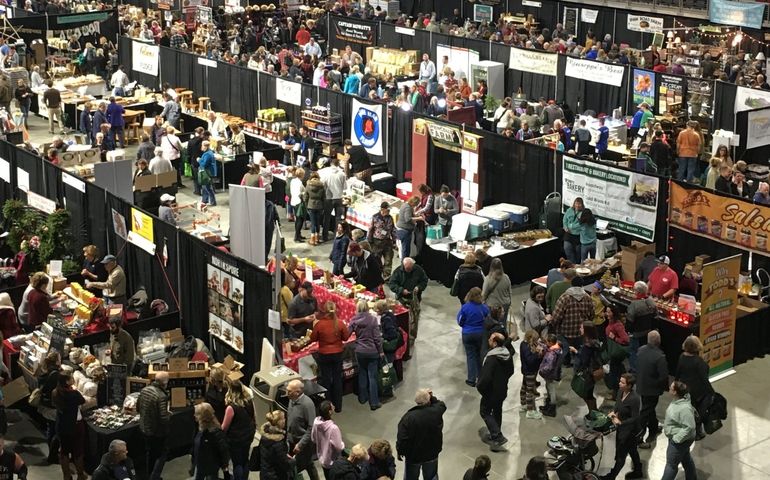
(86, 123)
(100, 117)
(115, 113)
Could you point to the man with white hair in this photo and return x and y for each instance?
(421, 435)
(115, 464)
(639, 319)
(651, 382)
(408, 279)
(159, 164)
(299, 424)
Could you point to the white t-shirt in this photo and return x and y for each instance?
(160, 165)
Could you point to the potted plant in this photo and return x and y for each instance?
(491, 104)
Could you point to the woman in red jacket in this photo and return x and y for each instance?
(330, 333)
(9, 326)
(39, 300)
(616, 332)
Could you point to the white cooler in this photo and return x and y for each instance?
(468, 227)
(519, 215)
(404, 190)
(499, 221)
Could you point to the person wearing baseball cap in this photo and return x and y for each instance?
(114, 288)
(166, 209)
(663, 281)
(644, 162)
(302, 310)
(382, 237)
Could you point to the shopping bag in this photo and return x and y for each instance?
(203, 177)
(613, 351)
(386, 379)
(187, 170)
(582, 385)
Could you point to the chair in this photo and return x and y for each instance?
(204, 103)
(133, 131)
(186, 99)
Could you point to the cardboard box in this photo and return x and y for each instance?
(15, 391)
(172, 336)
(59, 284)
(701, 260)
(231, 367)
(632, 256)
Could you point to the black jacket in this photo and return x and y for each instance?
(213, 453)
(106, 471)
(628, 412)
(342, 469)
(467, 278)
(747, 193)
(724, 185)
(651, 371)
(420, 432)
(694, 372)
(497, 369)
(660, 154)
(367, 271)
(273, 450)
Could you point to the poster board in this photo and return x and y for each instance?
(570, 20)
(644, 87)
(247, 223)
(145, 58)
(758, 129)
(460, 59)
(116, 383)
(226, 292)
(671, 91)
(719, 301)
(627, 200)
(367, 126)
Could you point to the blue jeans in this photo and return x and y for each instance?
(368, 363)
(429, 470)
(677, 453)
(207, 194)
(316, 217)
(688, 168)
(405, 236)
(472, 343)
(572, 252)
(587, 250)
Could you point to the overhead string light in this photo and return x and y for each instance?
(726, 32)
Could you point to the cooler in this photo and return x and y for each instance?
(434, 232)
(404, 190)
(519, 214)
(478, 228)
(499, 221)
(384, 182)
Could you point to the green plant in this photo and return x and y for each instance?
(54, 236)
(24, 223)
(491, 103)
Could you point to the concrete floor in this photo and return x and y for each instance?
(735, 452)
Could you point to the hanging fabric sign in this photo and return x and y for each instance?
(643, 23)
(367, 127)
(226, 291)
(595, 71)
(444, 136)
(588, 16)
(740, 14)
(349, 31)
(289, 92)
(628, 200)
(144, 58)
(533, 61)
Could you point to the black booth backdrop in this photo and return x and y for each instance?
(180, 280)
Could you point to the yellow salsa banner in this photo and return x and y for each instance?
(731, 221)
(141, 224)
(719, 300)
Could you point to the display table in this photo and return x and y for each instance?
(520, 265)
(362, 209)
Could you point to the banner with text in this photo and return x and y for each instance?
(367, 127)
(350, 31)
(643, 23)
(739, 14)
(627, 200)
(595, 71)
(533, 61)
(289, 92)
(726, 220)
(719, 301)
(144, 58)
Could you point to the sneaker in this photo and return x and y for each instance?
(534, 415)
(498, 445)
(635, 474)
(375, 407)
(523, 408)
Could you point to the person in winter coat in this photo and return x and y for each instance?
(115, 464)
(381, 462)
(274, 460)
(587, 359)
(9, 326)
(679, 427)
(316, 194)
(693, 371)
(239, 426)
(640, 316)
(366, 268)
(339, 253)
(70, 431)
(154, 420)
(572, 228)
(493, 387)
(406, 278)
(468, 276)
(327, 438)
(615, 331)
(534, 314)
(47, 382)
(349, 468)
(210, 452)
(391, 335)
(550, 370)
(330, 333)
(368, 352)
(496, 289)
(471, 318)
(480, 471)
(216, 391)
(299, 425)
(572, 310)
(625, 416)
(652, 378)
(531, 356)
(420, 436)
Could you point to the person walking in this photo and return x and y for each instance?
(420, 436)
(209, 452)
(587, 360)
(679, 427)
(468, 276)
(316, 195)
(572, 229)
(471, 319)
(640, 315)
(625, 416)
(688, 144)
(368, 353)
(299, 426)
(652, 378)
(239, 427)
(154, 420)
(615, 331)
(207, 170)
(52, 100)
(693, 371)
(572, 310)
(531, 356)
(330, 333)
(493, 387)
(405, 225)
(382, 237)
(298, 201)
(274, 460)
(550, 370)
(115, 464)
(496, 289)
(327, 438)
(70, 431)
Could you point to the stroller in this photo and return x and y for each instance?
(573, 456)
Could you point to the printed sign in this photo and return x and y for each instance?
(41, 203)
(405, 31)
(444, 136)
(119, 224)
(627, 200)
(482, 13)
(289, 92)
(671, 91)
(588, 16)
(751, 98)
(758, 129)
(144, 58)
(352, 32)
(719, 301)
(728, 220)
(142, 225)
(740, 14)
(643, 23)
(644, 87)
(533, 61)
(58, 340)
(116, 383)
(595, 71)
(225, 302)
(367, 127)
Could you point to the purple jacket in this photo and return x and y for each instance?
(368, 335)
(550, 367)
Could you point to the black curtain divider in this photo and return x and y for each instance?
(582, 95)
(724, 105)
(443, 168)
(165, 273)
(52, 183)
(193, 297)
(33, 165)
(76, 203)
(243, 81)
(220, 95)
(99, 216)
(399, 143)
(7, 189)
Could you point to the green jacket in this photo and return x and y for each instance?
(587, 234)
(556, 291)
(679, 425)
(571, 222)
(400, 280)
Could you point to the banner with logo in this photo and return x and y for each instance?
(627, 200)
(533, 61)
(671, 90)
(728, 220)
(144, 58)
(739, 14)
(643, 23)
(719, 301)
(367, 127)
(595, 71)
(445, 136)
(758, 133)
(751, 98)
(349, 31)
(644, 87)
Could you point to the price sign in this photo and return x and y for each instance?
(116, 383)
(58, 339)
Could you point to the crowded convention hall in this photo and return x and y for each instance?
(515, 239)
